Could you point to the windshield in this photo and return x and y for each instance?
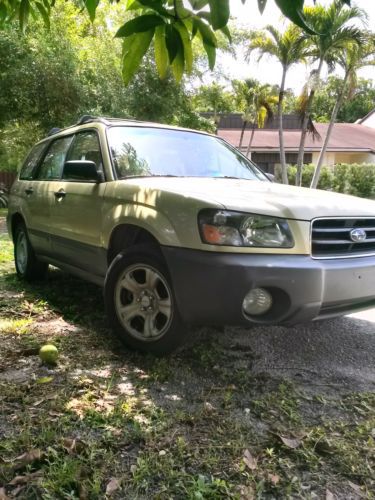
(143, 152)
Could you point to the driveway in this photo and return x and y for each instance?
(338, 353)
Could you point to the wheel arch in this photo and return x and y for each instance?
(125, 236)
(16, 219)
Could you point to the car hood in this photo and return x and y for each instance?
(265, 198)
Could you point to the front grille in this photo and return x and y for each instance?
(332, 238)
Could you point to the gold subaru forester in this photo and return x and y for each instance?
(181, 229)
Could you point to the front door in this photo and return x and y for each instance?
(76, 211)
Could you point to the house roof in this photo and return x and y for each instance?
(346, 137)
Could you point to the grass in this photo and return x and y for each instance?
(194, 425)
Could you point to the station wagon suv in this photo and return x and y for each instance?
(181, 229)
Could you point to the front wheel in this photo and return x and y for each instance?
(28, 267)
(140, 302)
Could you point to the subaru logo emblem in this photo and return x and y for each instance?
(358, 235)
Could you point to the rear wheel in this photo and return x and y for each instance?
(140, 301)
(28, 267)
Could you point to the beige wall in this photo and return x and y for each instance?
(333, 158)
(370, 121)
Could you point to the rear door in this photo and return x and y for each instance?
(76, 211)
(37, 192)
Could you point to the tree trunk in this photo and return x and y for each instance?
(284, 172)
(242, 134)
(251, 141)
(301, 151)
(340, 98)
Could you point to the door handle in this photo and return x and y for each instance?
(29, 190)
(60, 194)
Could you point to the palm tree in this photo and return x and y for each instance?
(334, 33)
(263, 100)
(288, 48)
(244, 98)
(351, 59)
(256, 101)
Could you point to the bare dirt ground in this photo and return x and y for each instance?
(238, 413)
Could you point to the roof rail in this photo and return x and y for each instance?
(85, 119)
(89, 118)
(53, 131)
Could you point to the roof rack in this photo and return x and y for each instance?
(88, 118)
(53, 131)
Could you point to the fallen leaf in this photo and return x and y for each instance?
(274, 478)
(292, 443)
(27, 478)
(356, 488)
(37, 403)
(329, 495)
(69, 445)
(249, 460)
(73, 445)
(55, 414)
(27, 458)
(18, 490)
(246, 492)
(209, 407)
(133, 469)
(112, 486)
(3, 495)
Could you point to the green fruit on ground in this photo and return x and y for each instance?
(48, 354)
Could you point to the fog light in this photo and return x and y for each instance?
(258, 301)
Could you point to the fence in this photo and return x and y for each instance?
(7, 178)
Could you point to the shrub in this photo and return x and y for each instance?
(357, 179)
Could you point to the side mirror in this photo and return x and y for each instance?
(271, 177)
(81, 170)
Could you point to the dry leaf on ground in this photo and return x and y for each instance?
(112, 486)
(249, 460)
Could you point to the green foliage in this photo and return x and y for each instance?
(360, 104)
(75, 69)
(182, 25)
(354, 179)
(213, 98)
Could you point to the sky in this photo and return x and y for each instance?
(269, 71)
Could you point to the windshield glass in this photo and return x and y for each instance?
(141, 151)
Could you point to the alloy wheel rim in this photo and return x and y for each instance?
(143, 301)
(21, 252)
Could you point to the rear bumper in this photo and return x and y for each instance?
(210, 287)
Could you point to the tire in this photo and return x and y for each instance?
(3, 200)
(138, 280)
(28, 267)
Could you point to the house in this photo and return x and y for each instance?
(349, 142)
(368, 120)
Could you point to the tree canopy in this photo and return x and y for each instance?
(168, 23)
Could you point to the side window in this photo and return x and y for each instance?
(31, 162)
(86, 147)
(53, 163)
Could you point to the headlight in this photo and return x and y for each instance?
(221, 227)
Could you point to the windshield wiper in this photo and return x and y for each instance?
(230, 177)
(148, 176)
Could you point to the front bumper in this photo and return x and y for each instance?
(210, 287)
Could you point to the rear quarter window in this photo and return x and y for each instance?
(31, 162)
